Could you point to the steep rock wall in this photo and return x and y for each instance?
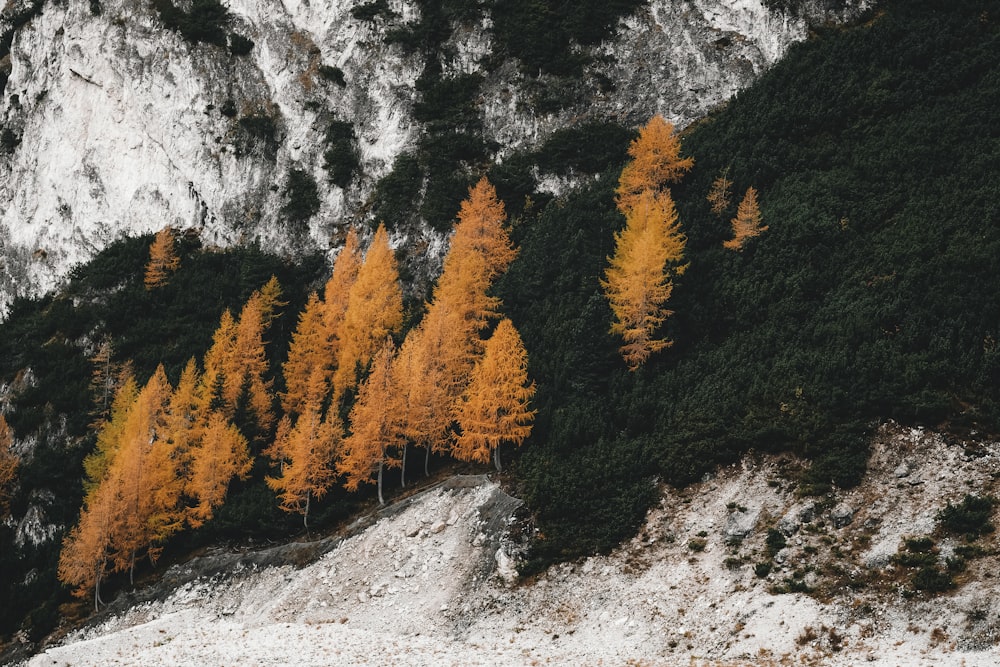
(121, 127)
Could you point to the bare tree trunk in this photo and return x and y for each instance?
(496, 458)
(97, 588)
(305, 515)
(427, 461)
(381, 500)
(402, 470)
(131, 571)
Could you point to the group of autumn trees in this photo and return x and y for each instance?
(649, 250)
(457, 383)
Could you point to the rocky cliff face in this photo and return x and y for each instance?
(114, 124)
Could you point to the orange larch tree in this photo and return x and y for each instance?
(86, 549)
(109, 435)
(150, 486)
(374, 310)
(305, 453)
(656, 161)
(337, 291)
(308, 355)
(236, 364)
(8, 465)
(638, 282)
(495, 408)
(220, 455)
(219, 363)
(253, 367)
(747, 223)
(720, 195)
(425, 404)
(462, 307)
(375, 428)
(163, 259)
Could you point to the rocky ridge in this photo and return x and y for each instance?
(119, 126)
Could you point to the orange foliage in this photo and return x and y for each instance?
(150, 486)
(308, 355)
(747, 223)
(8, 465)
(720, 195)
(637, 282)
(338, 288)
(375, 427)
(425, 403)
(109, 436)
(374, 310)
(220, 455)
(306, 452)
(133, 500)
(252, 360)
(236, 364)
(85, 555)
(494, 409)
(163, 259)
(656, 161)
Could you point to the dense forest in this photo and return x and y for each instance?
(862, 288)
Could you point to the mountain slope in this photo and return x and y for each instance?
(422, 585)
(116, 124)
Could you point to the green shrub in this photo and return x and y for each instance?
(396, 193)
(301, 197)
(970, 518)
(922, 544)
(260, 132)
(932, 580)
(228, 108)
(697, 544)
(775, 541)
(589, 148)
(341, 158)
(205, 22)
(333, 74)
(240, 45)
(8, 141)
(541, 33)
(377, 9)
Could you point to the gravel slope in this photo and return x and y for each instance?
(421, 586)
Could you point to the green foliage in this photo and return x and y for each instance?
(589, 148)
(260, 133)
(762, 569)
(228, 108)
(775, 541)
(921, 544)
(871, 296)
(370, 11)
(8, 141)
(933, 580)
(542, 34)
(396, 193)
(333, 74)
(240, 45)
(52, 337)
(341, 158)
(971, 518)
(205, 22)
(301, 197)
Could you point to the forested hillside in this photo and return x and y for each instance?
(874, 152)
